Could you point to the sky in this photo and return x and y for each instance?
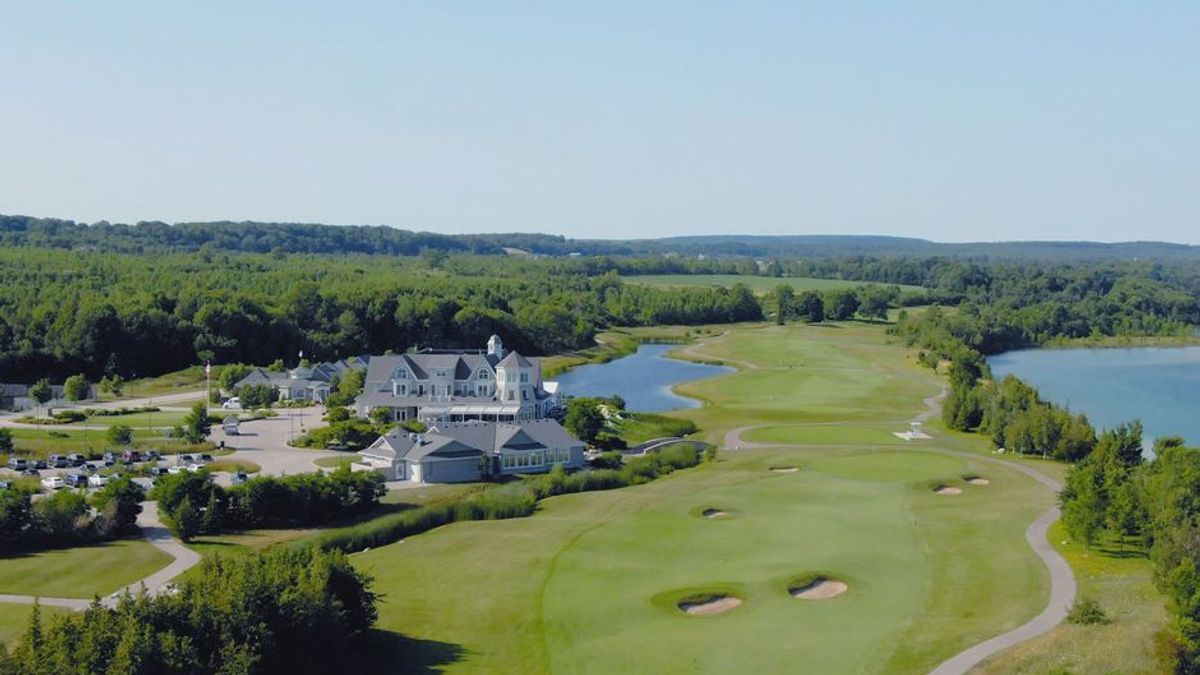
(952, 121)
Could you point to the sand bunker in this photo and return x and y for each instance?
(979, 481)
(713, 513)
(818, 589)
(709, 604)
(948, 490)
(784, 469)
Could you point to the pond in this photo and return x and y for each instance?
(644, 379)
(1159, 386)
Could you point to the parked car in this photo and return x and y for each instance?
(232, 404)
(152, 456)
(109, 457)
(38, 464)
(58, 461)
(177, 469)
(76, 459)
(53, 482)
(194, 467)
(4, 485)
(184, 459)
(131, 456)
(17, 463)
(76, 480)
(30, 471)
(97, 480)
(91, 467)
(239, 478)
(155, 472)
(205, 458)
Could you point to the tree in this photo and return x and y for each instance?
(784, 301)
(196, 424)
(41, 391)
(6, 441)
(232, 374)
(123, 498)
(119, 435)
(584, 419)
(842, 305)
(185, 520)
(257, 396)
(873, 302)
(76, 387)
(810, 306)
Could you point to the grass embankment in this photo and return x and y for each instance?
(335, 462)
(760, 285)
(572, 588)
(614, 344)
(234, 465)
(82, 571)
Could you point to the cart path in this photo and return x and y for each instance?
(183, 559)
(1062, 580)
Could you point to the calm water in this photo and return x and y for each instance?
(1159, 386)
(644, 379)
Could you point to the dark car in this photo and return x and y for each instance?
(17, 463)
(38, 464)
(30, 470)
(76, 459)
(75, 480)
(239, 478)
(109, 457)
(155, 472)
(59, 461)
(204, 458)
(152, 456)
(131, 456)
(91, 467)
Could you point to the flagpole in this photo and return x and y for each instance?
(207, 387)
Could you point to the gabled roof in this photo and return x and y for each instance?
(514, 360)
(461, 439)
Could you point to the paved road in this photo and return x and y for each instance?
(265, 442)
(158, 535)
(1062, 581)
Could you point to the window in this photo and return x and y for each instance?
(511, 395)
(404, 390)
(524, 377)
(401, 374)
(440, 372)
(483, 374)
(525, 394)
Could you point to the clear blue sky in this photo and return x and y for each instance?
(947, 120)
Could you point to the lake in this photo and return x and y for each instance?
(1159, 386)
(644, 379)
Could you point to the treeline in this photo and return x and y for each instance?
(193, 504)
(1010, 412)
(67, 517)
(281, 611)
(1115, 495)
(62, 313)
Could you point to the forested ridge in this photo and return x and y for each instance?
(263, 237)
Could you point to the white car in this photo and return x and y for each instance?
(194, 467)
(53, 482)
(97, 480)
(177, 469)
(232, 404)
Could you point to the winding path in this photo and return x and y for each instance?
(1062, 581)
(158, 535)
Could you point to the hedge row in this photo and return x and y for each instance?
(511, 500)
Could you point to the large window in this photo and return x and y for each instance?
(401, 374)
(483, 374)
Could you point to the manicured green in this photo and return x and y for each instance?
(335, 462)
(754, 283)
(579, 586)
(828, 435)
(82, 571)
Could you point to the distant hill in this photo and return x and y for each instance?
(260, 237)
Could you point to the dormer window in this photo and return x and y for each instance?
(483, 374)
(441, 372)
(401, 374)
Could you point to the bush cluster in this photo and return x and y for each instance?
(191, 503)
(67, 517)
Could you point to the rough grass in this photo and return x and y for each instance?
(571, 588)
(335, 462)
(233, 465)
(1121, 579)
(68, 439)
(80, 572)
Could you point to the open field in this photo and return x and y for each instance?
(589, 582)
(67, 439)
(82, 571)
(754, 283)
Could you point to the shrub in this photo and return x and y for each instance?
(1087, 611)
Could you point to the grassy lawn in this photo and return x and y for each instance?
(754, 283)
(14, 618)
(80, 572)
(67, 439)
(828, 435)
(1121, 579)
(335, 462)
(233, 465)
(587, 583)
(177, 382)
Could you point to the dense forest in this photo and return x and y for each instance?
(257, 237)
(103, 313)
